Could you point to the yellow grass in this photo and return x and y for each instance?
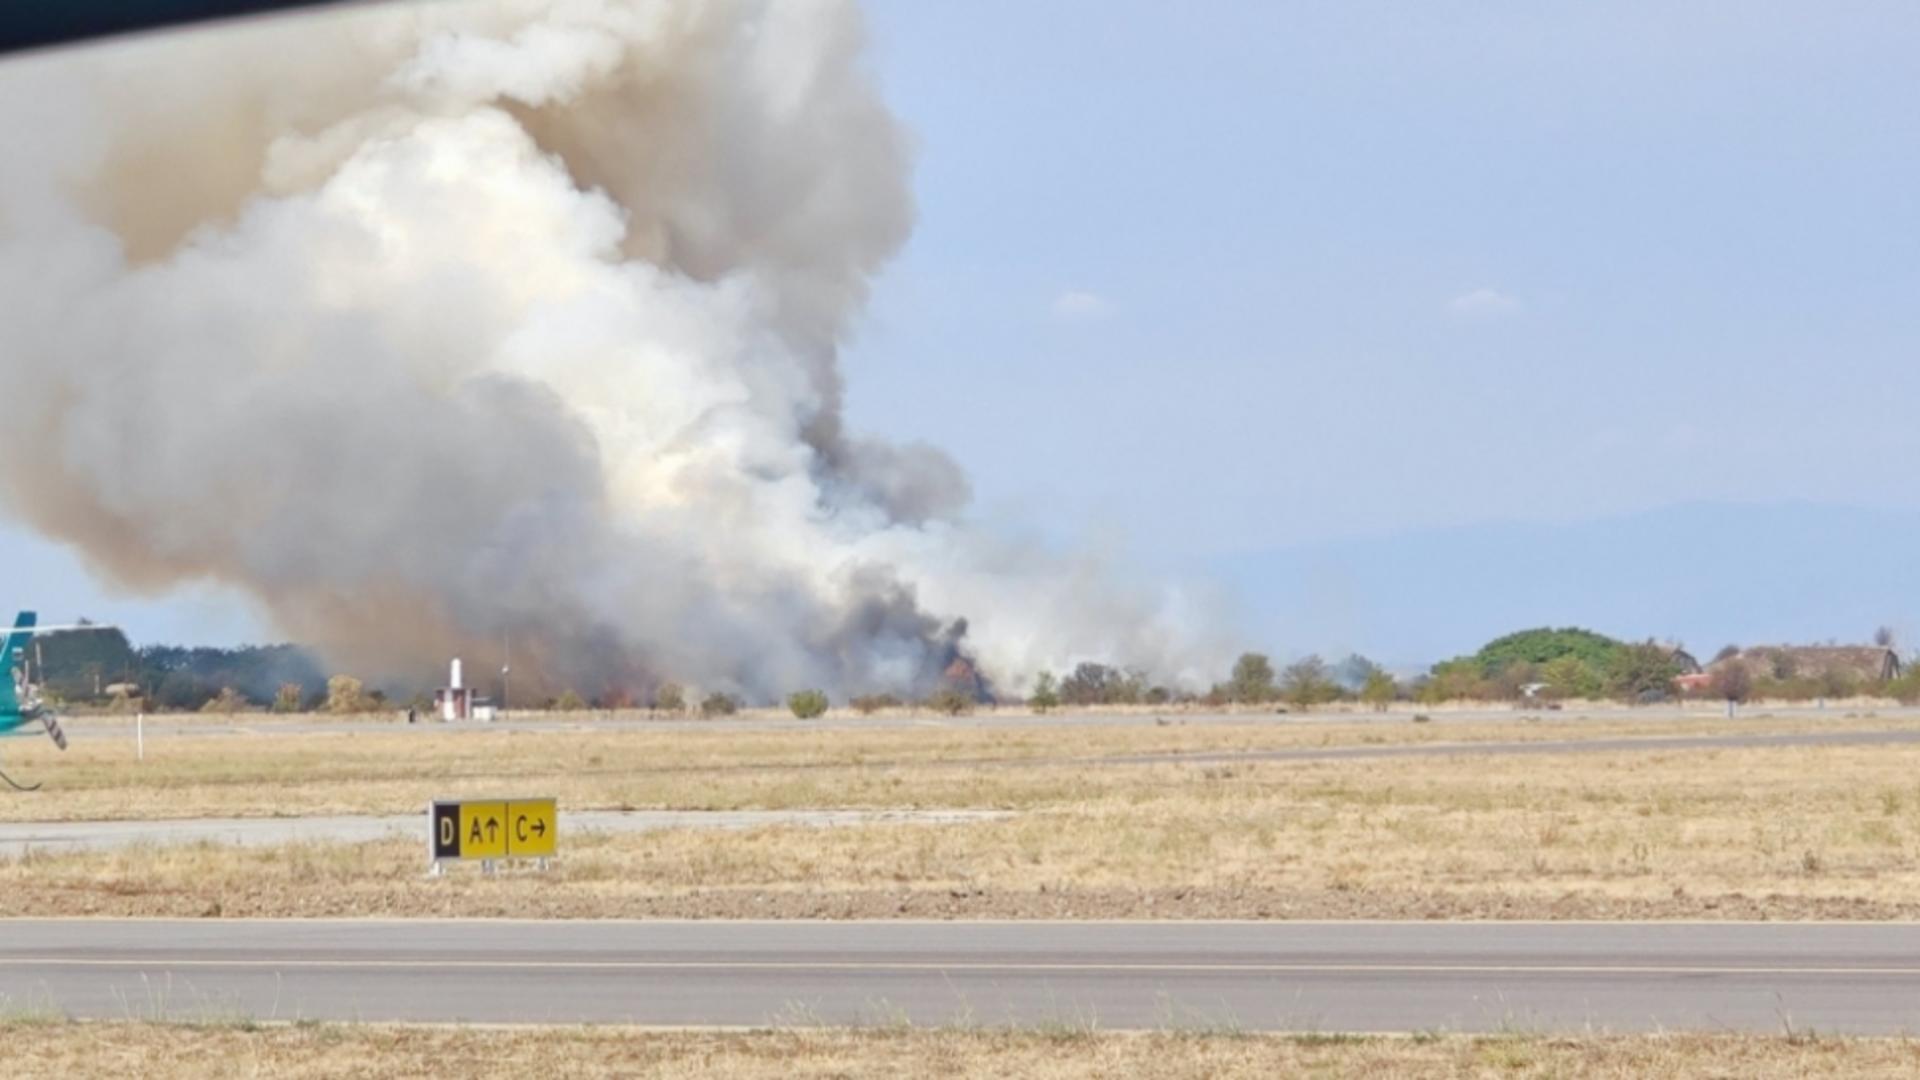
(176, 1052)
(1755, 833)
(370, 767)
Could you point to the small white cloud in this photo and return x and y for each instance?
(1484, 304)
(1079, 305)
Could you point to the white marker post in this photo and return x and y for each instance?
(140, 736)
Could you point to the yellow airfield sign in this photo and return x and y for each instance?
(533, 828)
(483, 830)
(489, 829)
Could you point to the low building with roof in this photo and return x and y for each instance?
(1852, 663)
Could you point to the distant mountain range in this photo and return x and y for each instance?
(1706, 574)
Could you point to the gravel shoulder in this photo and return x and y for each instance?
(243, 1048)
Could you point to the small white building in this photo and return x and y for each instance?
(455, 701)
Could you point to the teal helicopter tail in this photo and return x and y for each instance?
(14, 659)
(16, 714)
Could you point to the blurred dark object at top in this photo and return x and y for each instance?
(37, 25)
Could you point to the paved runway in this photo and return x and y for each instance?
(19, 837)
(1732, 739)
(990, 719)
(1646, 743)
(1828, 978)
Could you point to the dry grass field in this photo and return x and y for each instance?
(221, 1051)
(1830, 832)
(379, 767)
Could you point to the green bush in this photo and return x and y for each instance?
(346, 694)
(718, 704)
(669, 697)
(1046, 693)
(1642, 673)
(227, 701)
(1906, 688)
(951, 701)
(868, 704)
(1456, 680)
(1545, 645)
(808, 704)
(1252, 680)
(1099, 684)
(1571, 677)
(1573, 662)
(1380, 690)
(1306, 683)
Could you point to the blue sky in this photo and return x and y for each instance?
(1222, 278)
(1369, 267)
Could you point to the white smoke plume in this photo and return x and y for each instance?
(420, 322)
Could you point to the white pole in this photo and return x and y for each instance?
(140, 735)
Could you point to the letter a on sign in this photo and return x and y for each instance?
(483, 830)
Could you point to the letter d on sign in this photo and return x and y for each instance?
(446, 830)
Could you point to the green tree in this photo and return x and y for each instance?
(1046, 693)
(1835, 683)
(1379, 690)
(1093, 684)
(346, 695)
(80, 663)
(808, 704)
(670, 697)
(1643, 672)
(185, 678)
(719, 704)
(1571, 677)
(1545, 645)
(1506, 665)
(1513, 680)
(569, 702)
(1252, 680)
(1306, 683)
(1456, 680)
(950, 700)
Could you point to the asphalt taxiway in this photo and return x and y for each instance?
(18, 838)
(1825, 977)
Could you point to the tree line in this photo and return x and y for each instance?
(99, 666)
